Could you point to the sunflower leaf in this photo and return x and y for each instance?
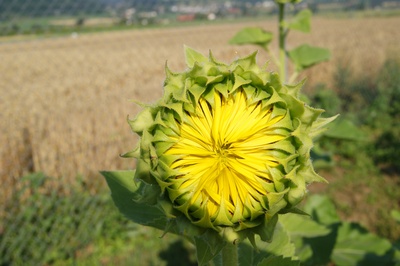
(252, 35)
(305, 56)
(300, 225)
(124, 189)
(322, 210)
(301, 21)
(207, 247)
(355, 246)
(280, 246)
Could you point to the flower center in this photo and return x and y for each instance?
(222, 152)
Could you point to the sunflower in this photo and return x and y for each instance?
(227, 145)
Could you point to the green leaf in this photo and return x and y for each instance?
(396, 215)
(304, 251)
(280, 245)
(355, 246)
(279, 261)
(302, 21)
(320, 158)
(207, 247)
(203, 251)
(396, 255)
(305, 56)
(300, 225)
(321, 208)
(345, 129)
(246, 254)
(301, 228)
(267, 230)
(318, 250)
(253, 35)
(321, 247)
(192, 56)
(123, 190)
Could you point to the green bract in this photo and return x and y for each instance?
(224, 151)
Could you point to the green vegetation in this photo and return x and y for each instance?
(355, 223)
(365, 177)
(55, 228)
(44, 224)
(372, 105)
(50, 224)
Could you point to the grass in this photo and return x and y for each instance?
(364, 196)
(144, 246)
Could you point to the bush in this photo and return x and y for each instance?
(326, 99)
(385, 109)
(385, 116)
(357, 93)
(372, 105)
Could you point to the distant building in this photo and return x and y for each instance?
(185, 17)
(391, 4)
(129, 15)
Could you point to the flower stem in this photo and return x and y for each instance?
(282, 39)
(230, 255)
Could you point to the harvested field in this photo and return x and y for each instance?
(64, 101)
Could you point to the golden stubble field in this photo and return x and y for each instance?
(64, 101)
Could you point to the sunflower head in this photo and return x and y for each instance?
(227, 146)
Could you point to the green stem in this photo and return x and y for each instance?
(272, 55)
(282, 48)
(230, 255)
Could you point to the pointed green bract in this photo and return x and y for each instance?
(186, 165)
(192, 57)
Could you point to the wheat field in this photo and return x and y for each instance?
(64, 101)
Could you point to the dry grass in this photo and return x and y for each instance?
(64, 101)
